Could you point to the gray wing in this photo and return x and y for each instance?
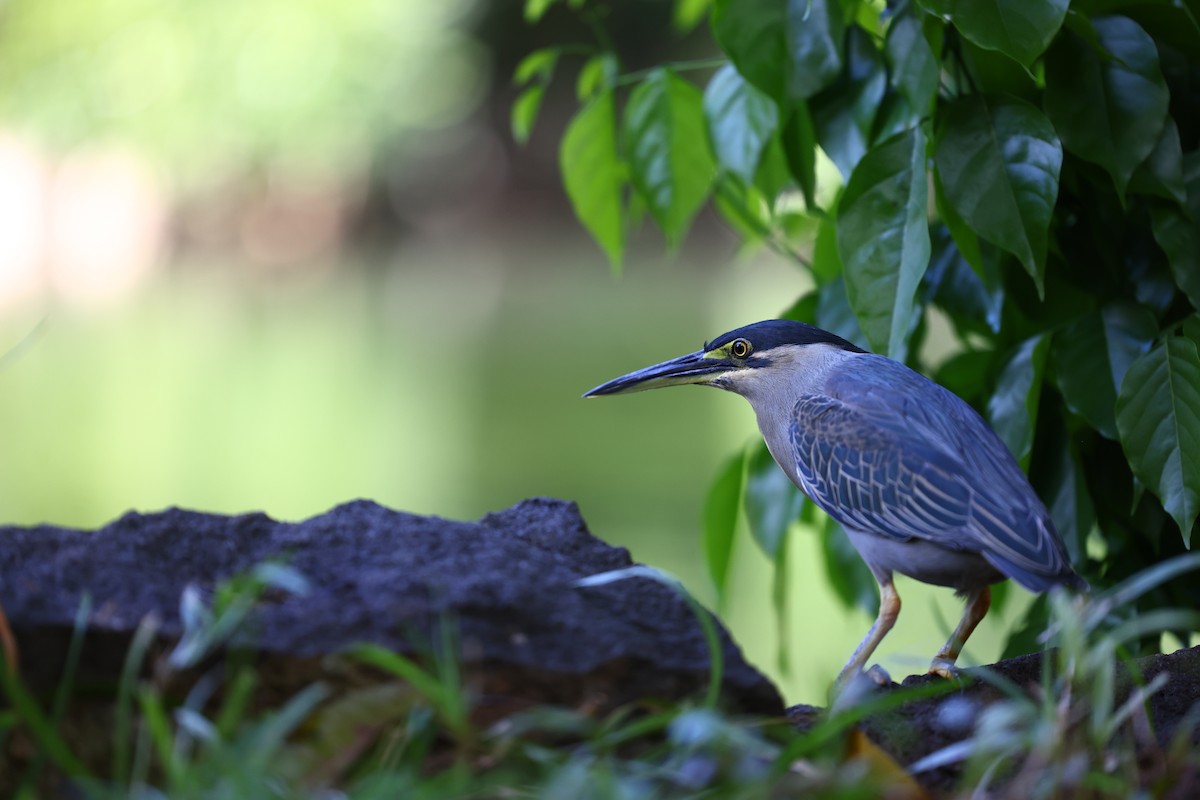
(887, 451)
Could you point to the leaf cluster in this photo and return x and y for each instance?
(1027, 172)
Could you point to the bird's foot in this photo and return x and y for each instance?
(879, 675)
(944, 668)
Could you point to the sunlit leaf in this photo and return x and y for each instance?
(1158, 417)
(1013, 407)
(524, 112)
(789, 49)
(844, 113)
(1021, 30)
(539, 63)
(1092, 356)
(598, 74)
(1109, 107)
(687, 14)
(670, 163)
(721, 510)
(741, 120)
(594, 174)
(998, 161)
(883, 238)
(536, 9)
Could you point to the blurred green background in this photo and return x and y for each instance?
(282, 254)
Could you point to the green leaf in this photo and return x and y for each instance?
(598, 74)
(539, 63)
(1063, 485)
(1021, 30)
(958, 289)
(1177, 232)
(535, 9)
(524, 112)
(844, 113)
(998, 160)
(789, 49)
(1013, 407)
(670, 163)
(743, 207)
(721, 509)
(1161, 173)
(914, 66)
(772, 501)
(741, 120)
(883, 240)
(1109, 107)
(687, 14)
(1158, 417)
(799, 140)
(594, 174)
(835, 315)
(1093, 355)
(845, 570)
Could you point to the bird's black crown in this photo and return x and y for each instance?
(774, 332)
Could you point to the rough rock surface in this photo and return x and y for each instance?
(506, 583)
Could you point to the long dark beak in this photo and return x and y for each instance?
(699, 367)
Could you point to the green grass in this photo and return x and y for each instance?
(416, 733)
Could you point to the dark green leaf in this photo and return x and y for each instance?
(965, 238)
(1162, 172)
(772, 501)
(743, 207)
(1158, 417)
(741, 120)
(958, 289)
(850, 578)
(773, 175)
(835, 315)
(883, 240)
(524, 112)
(1177, 232)
(598, 74)
(1013, 408)
(914, 65)
(594, 174)
(787, 48)
(539, 63)
(720, 519)
(826, 261)
(844, 113)
(1028, 638)
(1109, 107)
(998, 160)
(1020, 30)
(670, 164)
(1092, 356)
(1064, 488)
(799, 140)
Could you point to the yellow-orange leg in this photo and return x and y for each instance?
(889, 609)
(977, 608)
(8, 643)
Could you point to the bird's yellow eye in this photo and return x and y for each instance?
(740, 348)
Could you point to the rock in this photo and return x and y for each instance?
(505, 584)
